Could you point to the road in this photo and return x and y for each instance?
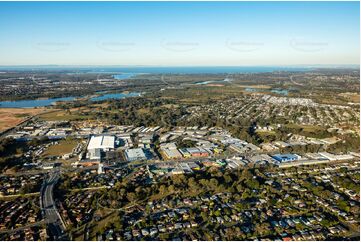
(294, 82)
(55, 228)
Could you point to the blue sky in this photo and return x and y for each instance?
(179, 33)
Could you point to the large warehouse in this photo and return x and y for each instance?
(99, 144)
(103, 142)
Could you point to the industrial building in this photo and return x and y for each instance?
(315, 156)
(333, 157)
(262, 158)
(103, 142)
(285, 157)
(99, 144)
(137, 154)
(170, 151)
(94, 154)
(146, 138)
(194, 152)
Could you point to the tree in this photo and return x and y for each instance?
(162, 189)
(131, 196)
(171, 189)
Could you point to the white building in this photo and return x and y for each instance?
(103, 142)
(99, 144)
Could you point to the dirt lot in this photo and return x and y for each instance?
(9, 117)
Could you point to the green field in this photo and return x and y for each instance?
(64, 147)
(62, 115)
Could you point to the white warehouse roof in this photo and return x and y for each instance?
(104, 142)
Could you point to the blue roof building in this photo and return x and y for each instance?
(285, 157)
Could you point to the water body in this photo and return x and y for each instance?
(47, 102)
(33, 103)
(115, 96)
(123, 76)
(283, 92)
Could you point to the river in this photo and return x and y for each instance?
(32, 103)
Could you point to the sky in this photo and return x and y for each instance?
(179, 33)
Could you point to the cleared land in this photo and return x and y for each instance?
(10, 117)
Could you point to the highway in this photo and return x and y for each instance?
(55, 228)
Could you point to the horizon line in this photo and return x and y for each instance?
(188, 66)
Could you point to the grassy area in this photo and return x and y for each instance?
(62, 115)
(265, 132)
(143, 110)
(306, 128)
(311, 128)
(64, 147)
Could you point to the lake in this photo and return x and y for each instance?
(33, 103)
(50, 101)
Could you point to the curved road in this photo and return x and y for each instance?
(294, 82)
